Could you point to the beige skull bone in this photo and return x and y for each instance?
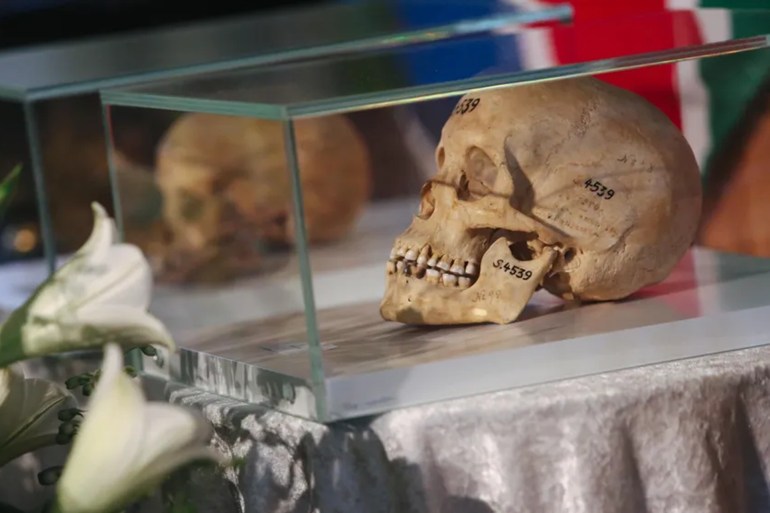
(577, 186)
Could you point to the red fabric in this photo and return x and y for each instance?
(610, 28)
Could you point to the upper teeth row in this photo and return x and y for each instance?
(434, 268)
(425, 259)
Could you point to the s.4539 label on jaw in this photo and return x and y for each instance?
(466, 105)
(513, 270)
(599, 188)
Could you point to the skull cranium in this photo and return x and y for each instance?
(576, 186)
(227, 189)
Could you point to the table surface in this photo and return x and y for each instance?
(690, 436)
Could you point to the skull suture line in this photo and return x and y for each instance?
(576, 186)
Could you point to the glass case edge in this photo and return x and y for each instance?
(315, 353)
(558, 12)
(467, 85)
(241, 382)
(11, 94)
(38, 175)
(221, 107)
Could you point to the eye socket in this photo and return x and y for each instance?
(480, 174)
(427, 201)
(191, 206)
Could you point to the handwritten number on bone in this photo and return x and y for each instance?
(467, 105)
(513, 270)
(484, 295)
(599, 189)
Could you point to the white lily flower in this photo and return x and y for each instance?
(126, 446)
(28, 413)
(100, 295)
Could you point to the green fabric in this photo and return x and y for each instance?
(732, 81)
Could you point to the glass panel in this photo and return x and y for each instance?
(361, 174)
(448, 67)
(58, 83)
(210, 202)
(21, 245)
(72, 68)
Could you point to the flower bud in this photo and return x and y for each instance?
(67, 429)
(68, 414)
(73, 382)
(49, 476)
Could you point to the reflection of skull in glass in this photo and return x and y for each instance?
(575, 185)
(227, 189)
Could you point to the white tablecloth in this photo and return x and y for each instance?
(689, 436)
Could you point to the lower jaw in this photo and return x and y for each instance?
(415, 301)
(496, 296)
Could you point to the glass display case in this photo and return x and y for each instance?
(52, 117)
(363, 232)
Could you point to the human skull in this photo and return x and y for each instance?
(227, 189)
(576, 186)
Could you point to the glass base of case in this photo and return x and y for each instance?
(712, 302)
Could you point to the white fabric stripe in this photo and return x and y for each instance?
(696, 116)
(537, 49)
(682, 4)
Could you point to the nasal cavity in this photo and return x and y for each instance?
(427, 201)
(463, 190)
(440, 156)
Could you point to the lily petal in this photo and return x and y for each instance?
(92, 326)
(126, 279)
(171, 429)
(174, 436)
(120, 275)
(125, 325)
(56, 292)
(108, 440)
(126, 446)
(11, 399)
(28, 413)
(100, 295)
(103, 234)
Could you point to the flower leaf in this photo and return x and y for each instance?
(7, 188)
